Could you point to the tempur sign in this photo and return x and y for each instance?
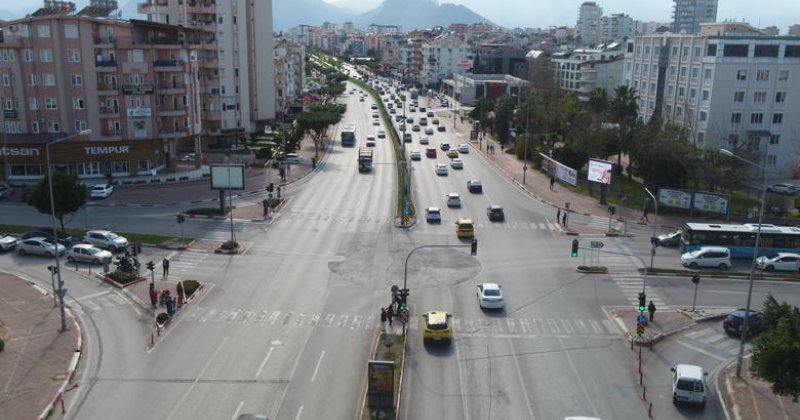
(108, 150)
(19, 151)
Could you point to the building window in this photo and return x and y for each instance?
(685, 51)
(696, 51)
(53, 127)
(674, 51)
(783, 75)
(6, 80)
(31, 79)
(27, 55)
(738, 96)
(735, 50)
(774, 138)
(43, 31)
(77, 80)
(71, 31)
(33, 103)
(683, 73)
(736, 117)
(706, 94)
(670, 90)
(703, 116)
(762, 75)
(711, 51)
(780, 97)
(766, 50)
(777, 118)
(672, 70)
(73, 56)
(48, 79)
(137, 56)
(692, 93)
(78, 103)
(707, 74)
(700, 137)
(759, 97)
(35, 128)
(142, 166)
(26, 170)
(46, 55)
(756, 118)
(681, 91)
(50, 103)
(695, 72)
(80, 125)
(741, 75)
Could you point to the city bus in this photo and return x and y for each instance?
(740, 239)
(349, 135)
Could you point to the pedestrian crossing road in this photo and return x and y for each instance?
(631, 286)
(184, 263)
(467, 327)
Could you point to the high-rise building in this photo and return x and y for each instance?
(617, 27)
(689, 14)
(793, 30)
(588, 26)
(733, 92)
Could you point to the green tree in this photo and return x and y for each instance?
(316, 121)
(481, 110)
(776, 352)
(68, 195)
(624, 111)
(598, 106)
(504, 112)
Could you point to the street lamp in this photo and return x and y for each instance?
(655, 223)
(762, 167)
(61, 291)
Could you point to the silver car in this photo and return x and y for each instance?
(88, 253)
(106, 240)
(39, 246)
(7, 242)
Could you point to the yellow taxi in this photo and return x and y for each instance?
(438, 327)
(465, 228)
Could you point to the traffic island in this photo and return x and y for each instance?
(121, 279)
(228, 248)
(385, 376)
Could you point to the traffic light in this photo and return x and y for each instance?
(180, 218)
(151, 265)
(642, 299)
(403, 297)
(695, 279)
(474, 251)
(574, 248)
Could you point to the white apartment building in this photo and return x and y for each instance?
(245, 97)
(290, 61)
(588, 27)
(733, 92)
(583, 70)
(689, 14)
(617, 27)
(444, 56)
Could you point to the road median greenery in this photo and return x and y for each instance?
(77, 234)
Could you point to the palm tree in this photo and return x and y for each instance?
(624, 112)
(598, 106)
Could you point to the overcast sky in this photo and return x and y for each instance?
(543, 13)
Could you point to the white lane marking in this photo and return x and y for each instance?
(264, 362)
(699, 350)
(92, 295)
(299, 413)
(524, 388)
(578, 377)
(197, 378)
(319, 363)
(238, 409)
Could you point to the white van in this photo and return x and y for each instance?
(689, 385)
(708, 256)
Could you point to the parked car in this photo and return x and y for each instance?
(708, 256)
(292, 158)
(782, 188)
(670, 239)
(7, 242)
(734, 321)
(101, 191)
(88, 253)
(441, 169)
(490, 296)
(39, 246)
(781, 261)
(6, 190)
(433, 215)
(495, 213)
(47, 234)
(474, 186)
(415, 155)
(106, 240)
(453, 200)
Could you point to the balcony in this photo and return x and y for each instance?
(169, 133)
(107, 86)
(111, 133)
(104, 39)
(172, 85)
(171, 110)
(109, 110)
(106, 63)
(168, 65)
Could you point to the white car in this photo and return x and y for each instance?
(292, 158)
(381, 134)
(370, 141)
(433, 215)
(7, 242)
(424, 140)
(429, 131)
(490, 296)
(415, 155)
(782, 261)
(101, 190)
(88, 253)
(457, 164)
(453, 200)
(376, 121)
(106, 240)
(441, 169)
(783, 188)
(463, 148)
(38, 246)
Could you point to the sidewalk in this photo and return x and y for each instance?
(751, 398)
(37, 356)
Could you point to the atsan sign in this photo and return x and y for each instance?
(19, 151)
(107, 150)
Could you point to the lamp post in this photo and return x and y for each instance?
(655, 222)
(762, 167)
(525, 153)
(61, 291)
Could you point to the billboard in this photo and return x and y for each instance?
(675, 198)
(711, 203)
(559, 170)
(380, 383)
(227, 177)
(600, 171)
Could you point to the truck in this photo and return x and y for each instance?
(349, 135)
(365, 159)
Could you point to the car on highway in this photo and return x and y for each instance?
(292, 158)
(423, 121)
(782, 188)
(670, 239)
(106, 240)
(433, 215)
(445, 146)
(47, 233)
(453, 200)
(495, 213)
(406, 137)
(424, 140)
(441, 128)
(462, 148)
(374, 106)
(88, 253)
(457, 164)
(465, 228)
(422, 109)
(435, 121)
(734, 321)
(490, 296)
(7, 242)
(381, 134)
(452, 153)
(415, 127)
(781, 261)
(375, 115)
(361, 99)
(474, 186)
(392, 111)
(430, 114)
(410, 120)
(437, 327)
(441, 169)
(398, 118)
(707, 256)
(431, 152)
(415, 154)
(39, 246)
(376, 121)
(370, 142)
(429, 131)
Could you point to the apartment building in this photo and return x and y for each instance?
(444, 56)
(617, 27)
(585, 69)
(289, 74)
(736, 92)
(588, 26)
(687, 15)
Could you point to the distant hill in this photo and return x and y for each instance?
(418, 14)
(287, 14)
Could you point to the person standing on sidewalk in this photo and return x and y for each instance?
(558, 215)
(651, 308)
(165, 267)
(552, 182)
(645, 211)
(564, 219)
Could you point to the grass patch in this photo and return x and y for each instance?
(122, 278)
(77, 235)
(190, 286)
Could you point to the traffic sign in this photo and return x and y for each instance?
(641, 320)
(404, 315)
(597, 244)
(640, 329)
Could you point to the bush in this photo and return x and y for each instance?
(189, 287)
(162, 318)
(2, 344)
(230, 245)
(122, 278)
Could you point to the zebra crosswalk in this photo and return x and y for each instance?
(467, 327)
(221, 231)
(99, 301)
(631, 286)
(182, 264)
(713, 338)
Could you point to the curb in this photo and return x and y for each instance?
(72, 367)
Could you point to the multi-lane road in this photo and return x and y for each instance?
(286, 328)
